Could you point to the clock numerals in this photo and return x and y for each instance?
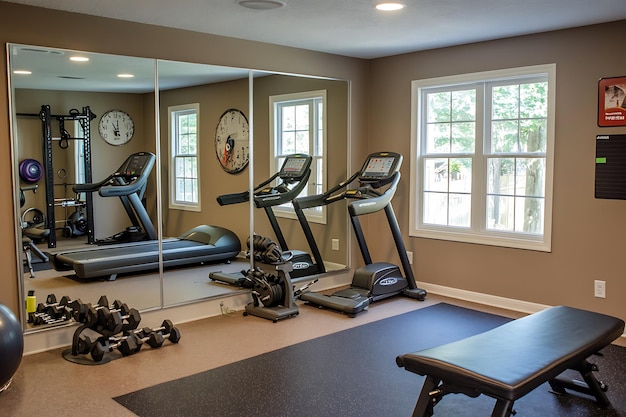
(116, 127)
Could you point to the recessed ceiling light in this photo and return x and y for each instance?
(260, 4)
(389, 6)
(125, 75)
(79, 58)
(22, 72)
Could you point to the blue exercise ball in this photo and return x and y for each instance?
(11, 345)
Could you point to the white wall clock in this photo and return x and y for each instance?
(232, 146)
(116, 127)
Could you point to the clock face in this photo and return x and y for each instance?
(116, 127)
(232, 146)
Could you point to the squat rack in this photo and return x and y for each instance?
(84, 118)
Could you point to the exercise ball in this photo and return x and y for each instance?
(31, 170)
(11, 346)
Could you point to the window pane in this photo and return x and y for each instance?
(302, 141)
(501, 176)
(435, 208)
(533, 135)
(505, 102)
(438, 138)
(534, 100)
(436, 174)
(302, 117)
(460, 175)
(288, 142)
(529, 215)
(463, 137)
(460, 210)
(530, 177)
(288, 117)
(438, 107)
(463, 105)
(504, 136)
(500, 211)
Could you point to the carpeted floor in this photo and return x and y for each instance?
(353, 373)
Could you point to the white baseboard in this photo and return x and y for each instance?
(487, 299)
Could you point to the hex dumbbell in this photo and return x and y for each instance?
(126, 345)
(155, 337)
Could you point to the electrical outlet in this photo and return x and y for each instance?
(335, 244)
(410, 256)
(599, 289)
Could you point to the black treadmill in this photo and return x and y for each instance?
(378, 181)
(293, 175)
(140, 250)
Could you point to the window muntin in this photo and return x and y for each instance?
(184, 178)
(483, 146)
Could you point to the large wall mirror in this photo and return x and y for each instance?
(149, 130)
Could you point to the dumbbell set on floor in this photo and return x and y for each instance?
(108, 327)
(53, 311)
(130, 342)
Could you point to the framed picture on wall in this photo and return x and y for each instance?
(612, 102)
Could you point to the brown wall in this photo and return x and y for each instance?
(36, 26)
(587, 233)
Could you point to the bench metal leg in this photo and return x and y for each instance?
(503, 408)
(590, 386)
(425, 401)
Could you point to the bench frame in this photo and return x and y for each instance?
(455, 368)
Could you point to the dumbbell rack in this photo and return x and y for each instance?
(105, 327)
(288, 307)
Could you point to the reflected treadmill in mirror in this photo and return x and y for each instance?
(200, 244)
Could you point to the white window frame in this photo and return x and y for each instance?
(477, 232)
(173, 111)
(314, 214)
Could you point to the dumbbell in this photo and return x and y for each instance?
(87, 339)
(119, 319)
(126, 345)
(155, 337)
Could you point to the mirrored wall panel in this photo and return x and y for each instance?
(132, 175)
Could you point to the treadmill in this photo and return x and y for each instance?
(293, 175)
(377, 183)
(140, 251)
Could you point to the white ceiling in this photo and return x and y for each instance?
(353, 27)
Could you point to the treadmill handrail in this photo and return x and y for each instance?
(242, 197)
(122, 187)
(90, 187)
(371, 201)
(281, 197)
(326, 198)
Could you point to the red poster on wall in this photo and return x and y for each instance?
(612, 102)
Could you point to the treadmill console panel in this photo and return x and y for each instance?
(135, 165)
(295, 167)
(380, 167)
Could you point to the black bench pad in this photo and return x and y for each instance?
(515, 358)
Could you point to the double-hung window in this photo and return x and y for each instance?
(298, 125)
(184, 178)
(483, 150)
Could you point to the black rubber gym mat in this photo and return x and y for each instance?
(353, 373)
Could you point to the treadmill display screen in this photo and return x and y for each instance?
(294, 167)
(379, 167)
(136, 165)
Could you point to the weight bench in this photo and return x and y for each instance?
(509, 361)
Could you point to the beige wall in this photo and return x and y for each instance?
(36, 26)
(587, 234)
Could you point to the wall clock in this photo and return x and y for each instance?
(232, 146)
(116, 127)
